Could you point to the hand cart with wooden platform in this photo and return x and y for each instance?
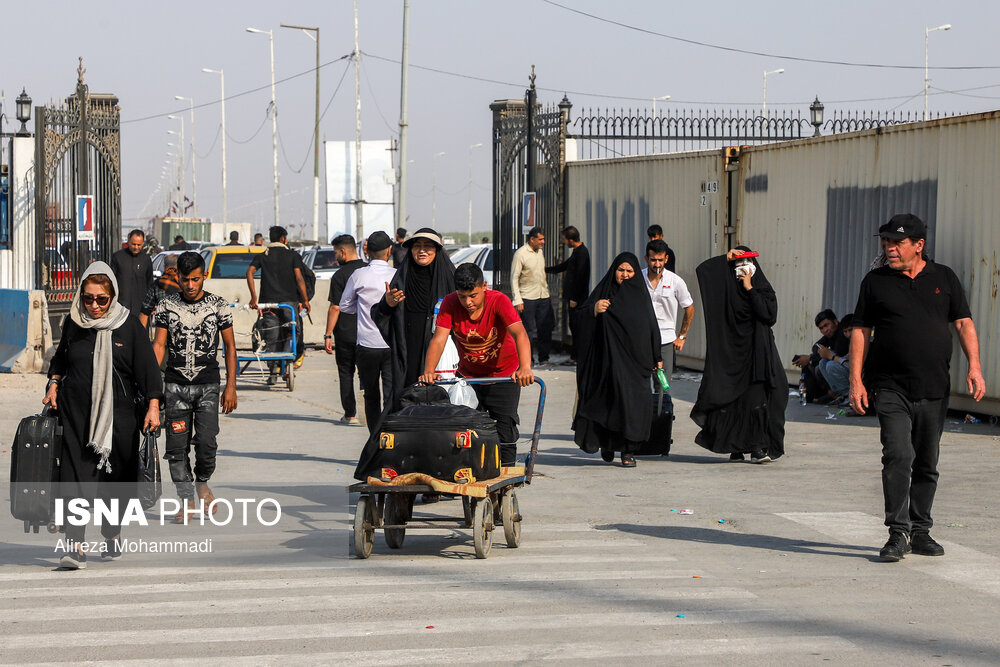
(388, 506)
(286, 360)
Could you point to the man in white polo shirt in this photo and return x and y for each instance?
(530, 292)
(364, 289)
(668, 292)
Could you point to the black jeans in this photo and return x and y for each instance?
(574, 315)
(346, 363)
(911, 435)
(192, 419)
(500, 402)
(277, 333)
(539, 318)
(372, 364)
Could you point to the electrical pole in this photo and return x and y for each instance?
(403, 124)
(359, 199)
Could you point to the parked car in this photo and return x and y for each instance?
(160, 258)
(229, 261)
(322, 259)
(480, 254)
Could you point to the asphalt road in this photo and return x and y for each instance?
(776, 564)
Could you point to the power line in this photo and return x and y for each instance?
(731, 49)
(371, 90)
(312, 135)
(311, 70)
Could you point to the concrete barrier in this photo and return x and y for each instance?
(24, 331)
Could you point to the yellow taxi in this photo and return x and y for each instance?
(229, 261)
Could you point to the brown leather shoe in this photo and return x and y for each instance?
(207, 497)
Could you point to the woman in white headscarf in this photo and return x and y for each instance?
(105, 383)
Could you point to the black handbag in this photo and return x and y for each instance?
(150, 482)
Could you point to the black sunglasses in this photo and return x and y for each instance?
(102, 300)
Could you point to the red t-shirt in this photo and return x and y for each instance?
(485, 348)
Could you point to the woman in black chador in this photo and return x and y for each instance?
(744, 391)
(619, 350)
(105, 383)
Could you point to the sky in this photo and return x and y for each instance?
(148, 53)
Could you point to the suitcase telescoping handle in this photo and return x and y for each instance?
(529, 462)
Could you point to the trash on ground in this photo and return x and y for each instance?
(969, 419)
(956, 525)
(686, 511)
(680, 615)
(722, 520)
(830, 415)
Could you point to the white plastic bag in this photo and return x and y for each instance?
(449, 358)
(461, 393)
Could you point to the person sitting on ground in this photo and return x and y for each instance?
(817, 388)
(835, 367)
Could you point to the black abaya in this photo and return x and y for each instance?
(743, 393)
(618, 351)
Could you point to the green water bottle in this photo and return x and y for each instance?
(662, 377)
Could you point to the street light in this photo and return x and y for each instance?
(183, 175)
(222, 79)
(471, 148)
(274, 121)
(434, 188)
(763, 109)
(23, 112)
(194, 170)
(661, 98)
(816, 115)
(927, 77)
(315, 233)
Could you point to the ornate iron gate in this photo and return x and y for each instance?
(77, 152)
(529, 153)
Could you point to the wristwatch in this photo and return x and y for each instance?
(327, 337)
(682, 337)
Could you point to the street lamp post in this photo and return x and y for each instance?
(181, 149)
(816, 115)
(315, 232)
(222, 79)
(194, 170)
(274, 121)
(434, 188)
(471, 148)
(661, 98)
(927, 77)
(763, 109)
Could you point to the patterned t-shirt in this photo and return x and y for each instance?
(193, 329)
(484, 345)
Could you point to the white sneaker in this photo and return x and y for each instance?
(350, 421)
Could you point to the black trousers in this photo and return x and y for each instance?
(539, 318)
(911, 438)
(500, 402)
(574, 315)
(192, 420)
(372, 365)
(346, 354)
(277, 333)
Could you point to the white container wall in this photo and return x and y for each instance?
(612, 202)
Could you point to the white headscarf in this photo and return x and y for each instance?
(102, 406)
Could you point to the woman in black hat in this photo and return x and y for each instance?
(406, 313)
(744, 391)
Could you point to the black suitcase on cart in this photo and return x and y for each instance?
(662, 428)
(454, 443)
(34, 470)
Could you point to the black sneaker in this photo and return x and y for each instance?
(736, 456)
(608, 455)
(112, 550)
(924, 545)
(73, 560)
(272, 379)
(896, 548)
(759, 456)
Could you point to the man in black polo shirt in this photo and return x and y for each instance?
(342, 328)
(281, 281)
(909, 303)
(576, 282)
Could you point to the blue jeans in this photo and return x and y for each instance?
(836, 375)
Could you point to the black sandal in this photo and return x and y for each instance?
(628, 461)
(608, 455)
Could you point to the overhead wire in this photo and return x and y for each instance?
(312, 135)
(777, 56)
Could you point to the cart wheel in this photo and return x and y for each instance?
(395, 513)
(290, 376)
(511, 518)
(364, 527)
(52, 527)
(482, 527)
(467, 510)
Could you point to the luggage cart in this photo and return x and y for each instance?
(485, 504)
(285, 359)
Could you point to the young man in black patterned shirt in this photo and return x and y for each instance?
(188, 327)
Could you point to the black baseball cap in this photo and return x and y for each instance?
(903, 226)
(379, 241)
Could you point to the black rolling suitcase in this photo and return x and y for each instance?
(34, 469)
(661, 430)
(454, 443)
